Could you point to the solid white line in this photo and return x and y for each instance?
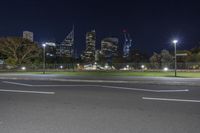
(114, 87)
(65, 85)
(23, 91)
(173, 100)
(95, 81)
(15, 83)
(146, 90)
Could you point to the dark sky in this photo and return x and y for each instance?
(152, 24)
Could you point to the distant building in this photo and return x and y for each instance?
(127, 45)
(89, 54)
(50, 49)
(28, 35)
(109, 47)
(66, 48)
(50, 52)
(97, 55)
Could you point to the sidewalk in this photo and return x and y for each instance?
(110, 79)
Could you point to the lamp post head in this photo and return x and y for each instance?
(166, 69)
(44, 45)
(23, 68)
(175, 41)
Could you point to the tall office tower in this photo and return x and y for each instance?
(127, 45)
(89, 54)
(109, 47)
(28, 35)
(66, 48)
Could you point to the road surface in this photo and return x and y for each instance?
(84, 107)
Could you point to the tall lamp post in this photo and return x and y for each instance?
(175, 60)
(44, 58)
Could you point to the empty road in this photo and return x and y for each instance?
(83, 107)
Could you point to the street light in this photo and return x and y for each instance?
(142, 66)
(166, 69)
(44, 59)
(175, 60)
(23, 68)
(127, 67)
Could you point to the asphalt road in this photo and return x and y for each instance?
(81, 107)
(117, 79)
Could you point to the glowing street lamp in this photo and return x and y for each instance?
(166, 69)
(175, 60)
(106, 66)
(23, 68)
(142, 66)
(175, 41)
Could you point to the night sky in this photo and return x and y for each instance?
(151, 24)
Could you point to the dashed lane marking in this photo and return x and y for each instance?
(25, 91)
(15, 83)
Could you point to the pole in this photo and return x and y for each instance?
(74, 48)
(175, 60)
(44, 61)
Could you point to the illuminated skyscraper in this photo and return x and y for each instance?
(66, 48)
(127, 45)
(89, 54)
(109, 47)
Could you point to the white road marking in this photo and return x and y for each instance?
(147, 90)
(94, 81)
(114, 87)
(24, 91)
(15, 83)
(172, 100)
(65, 85)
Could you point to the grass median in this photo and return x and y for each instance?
(123, 73)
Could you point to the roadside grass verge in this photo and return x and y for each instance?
(121, 73)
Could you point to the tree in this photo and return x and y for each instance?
(155, 60)
(195, 50)
(166, 58)
(137, 57)
(194, 55)
(18, 51)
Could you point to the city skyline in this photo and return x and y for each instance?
(109, 46)
(98, 44)
(151, 25)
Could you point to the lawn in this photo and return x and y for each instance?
(125, 73)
